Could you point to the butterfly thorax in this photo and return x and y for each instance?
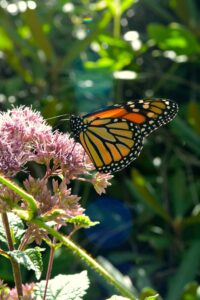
(76, 126)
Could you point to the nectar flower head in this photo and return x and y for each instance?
(100, 182)
(20, 128)
(28, 292)
(26, 137)
(68, 157)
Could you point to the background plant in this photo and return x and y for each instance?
(77, 56)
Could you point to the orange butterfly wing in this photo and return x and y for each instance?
(149, 114)
(113, 137)
(111, 144)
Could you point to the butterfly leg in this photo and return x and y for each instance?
(69, 154)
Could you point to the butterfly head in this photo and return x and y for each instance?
(76, 125)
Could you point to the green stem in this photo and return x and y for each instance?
(116, 20)
(76, 250)
(32, 204)
(15, 265)
(50, 264)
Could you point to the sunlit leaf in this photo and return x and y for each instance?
(31, 259)
(5, 41)
(82, 221)
(149, 294)
(191, 291)
(174, 37)
(16, 228)
(24, 32)
(62, 287)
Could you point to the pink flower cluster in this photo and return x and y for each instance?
(26, 137)
(11, 294)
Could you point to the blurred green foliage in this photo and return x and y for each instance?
(63, 57)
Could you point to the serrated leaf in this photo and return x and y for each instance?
(16, 227)
(82, 221)
(30, 259)
(70, 287)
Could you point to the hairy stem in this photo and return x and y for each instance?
(31, 202)
(82, 254)
(50, 264)
(15, 265)
(77, 251)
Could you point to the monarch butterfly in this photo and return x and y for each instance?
(113, 137)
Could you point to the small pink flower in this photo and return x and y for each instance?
(68, 157)
(20, 129)
(39, 189)
(66, 201)
(28, 292)
(100, 182)
(7, 197)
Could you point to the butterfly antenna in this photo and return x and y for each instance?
(67, 115)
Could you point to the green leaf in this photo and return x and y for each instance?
(155, 297)
(125, 4)
(191, 291)
(30, 259)
(5, 41)
(193, 115)
(186, 135)
(16, 227)
(118, 7)
(140, 189)
(114, 297)
(124, 280)
(149, 294)
(101, 63)
(71, 287)
(82, 221)
(186, 271)
(187, 11)
(177, 180)
(174, 37)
